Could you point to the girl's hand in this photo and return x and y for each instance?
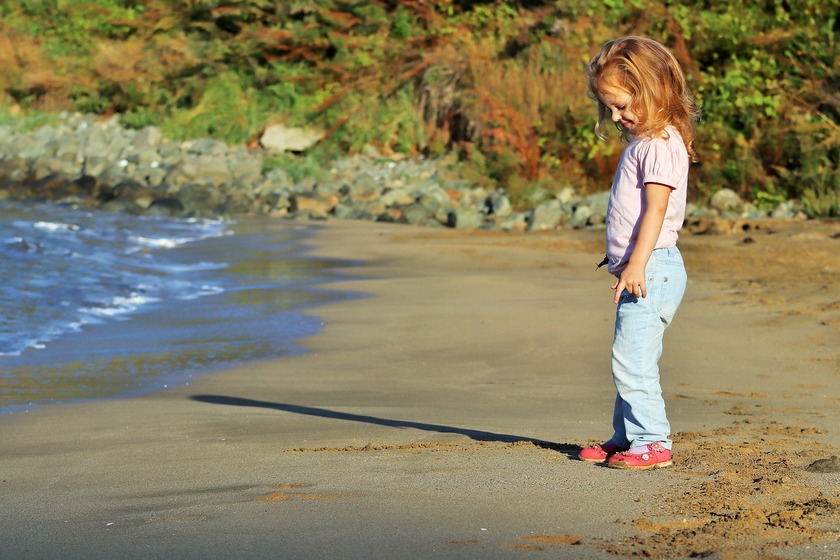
(633, 280)
(655, 205)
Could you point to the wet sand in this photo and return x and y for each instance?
(439, 416)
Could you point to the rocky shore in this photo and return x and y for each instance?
(94, 162)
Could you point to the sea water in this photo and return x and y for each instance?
(103, 305)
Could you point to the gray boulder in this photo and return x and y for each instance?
(149, 137)
(280, 138)
(726, 200)
(465, 218)
(546, 216)
(498, 204)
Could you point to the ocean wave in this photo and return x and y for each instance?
(64, 268)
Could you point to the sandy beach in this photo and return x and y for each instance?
(439, 416)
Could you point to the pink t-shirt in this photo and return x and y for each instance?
(646, 160)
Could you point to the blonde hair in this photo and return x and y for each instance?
(652, 76)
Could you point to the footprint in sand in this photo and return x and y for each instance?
(831, 465)
(282, 494)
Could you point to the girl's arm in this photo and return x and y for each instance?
(633, 275)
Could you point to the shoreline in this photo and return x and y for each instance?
(414, 424)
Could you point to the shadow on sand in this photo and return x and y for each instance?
(477, 435)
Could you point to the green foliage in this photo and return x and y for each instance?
(402, 24)
(222, 112)
(821, 203)
(67, 27)
(769, 198)
(26, 121)
(139, 118)
(500, 83)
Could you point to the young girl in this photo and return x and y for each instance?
(639, 85)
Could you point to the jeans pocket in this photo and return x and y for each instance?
(627, 297)
(671, 291)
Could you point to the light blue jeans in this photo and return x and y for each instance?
(639, 415)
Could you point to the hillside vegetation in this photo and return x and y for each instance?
(497, 85)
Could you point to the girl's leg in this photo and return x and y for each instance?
(619, 432)
(637, 346)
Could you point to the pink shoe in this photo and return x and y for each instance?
(650, 456)
(599, 453)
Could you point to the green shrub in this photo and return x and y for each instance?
(501, 82)
(821, 203)
(222, 112)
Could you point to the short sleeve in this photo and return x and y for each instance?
(663, 161)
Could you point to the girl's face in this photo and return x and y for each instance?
(619, 103)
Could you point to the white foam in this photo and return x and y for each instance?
(53, 226)
(201, 292)
(119, 305)
(160, 242)
(203, 265)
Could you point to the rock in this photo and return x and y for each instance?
(278, 178)
(128, 189)
(336, 188)
(473, 197)
(465, 218)
(87, 185)
(44, 167)
(95, 165)
(144, 156)
(206, 147)
(246, 169)
(703, 212)
(435, 200)
(536, 197)
(182, 173)
(785, 210)
(167, 206)
(276, 202)
(144, 201)
(280, 138)
(201, 199)
(546, 216)
(213, 169)
(53, 186)
(726, 200)
(392, 216)
(149, 175)
(364, 188)
(345, 211)
(92, 161)
(598, 204)
(581, 216)
(313, 205)
(239, 200)
(751, 212)
(70, 151)
(516, 222)
(111, 175)
(498, 204)
(149, 137)
(170, 152)
(395, 197)
(417, 215)
(831, 465)
(567, 195)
